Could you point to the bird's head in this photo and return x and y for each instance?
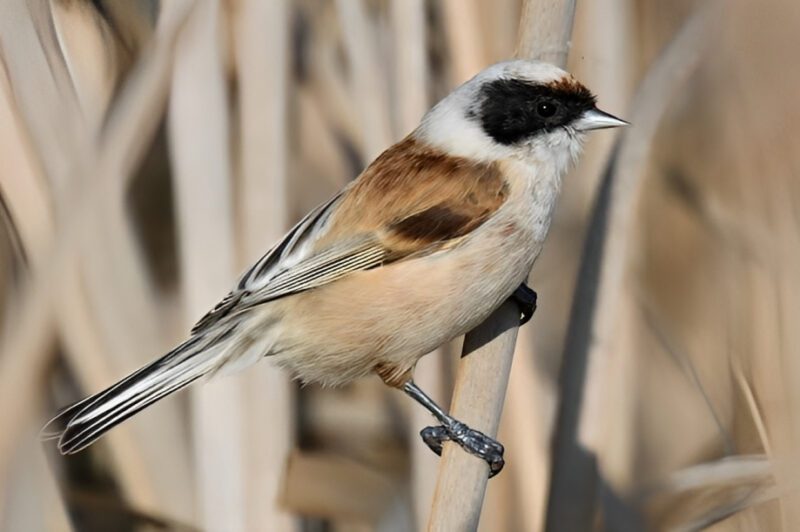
(516, 109)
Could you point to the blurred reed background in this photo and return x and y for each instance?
(150, 150)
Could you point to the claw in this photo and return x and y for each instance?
(434, 437)
(472, 441)
(526, 298)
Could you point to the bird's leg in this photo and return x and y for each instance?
(451, 429)
(525, 297)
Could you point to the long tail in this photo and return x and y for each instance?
(81, 424)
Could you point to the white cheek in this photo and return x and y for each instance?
(457, 135)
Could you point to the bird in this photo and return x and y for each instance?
(433, 236)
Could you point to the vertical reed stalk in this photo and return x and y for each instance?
(199, 132)
(261, 54)
(488, 350)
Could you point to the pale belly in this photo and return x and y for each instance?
(392, 316)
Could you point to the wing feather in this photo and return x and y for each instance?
(321, 269)
(292, 247)
(292, 244)
(411, 201)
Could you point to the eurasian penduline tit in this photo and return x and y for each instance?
(430, 239)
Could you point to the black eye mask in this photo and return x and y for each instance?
(513, 110)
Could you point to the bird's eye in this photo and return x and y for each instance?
(546, 109)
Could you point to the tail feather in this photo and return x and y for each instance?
(87, 420)
(51, 431)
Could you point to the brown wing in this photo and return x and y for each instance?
(414, 196)
(411, 200)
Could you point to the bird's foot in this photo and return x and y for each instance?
(525, 297)
(472, 441)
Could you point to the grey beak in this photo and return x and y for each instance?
(597, 119)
